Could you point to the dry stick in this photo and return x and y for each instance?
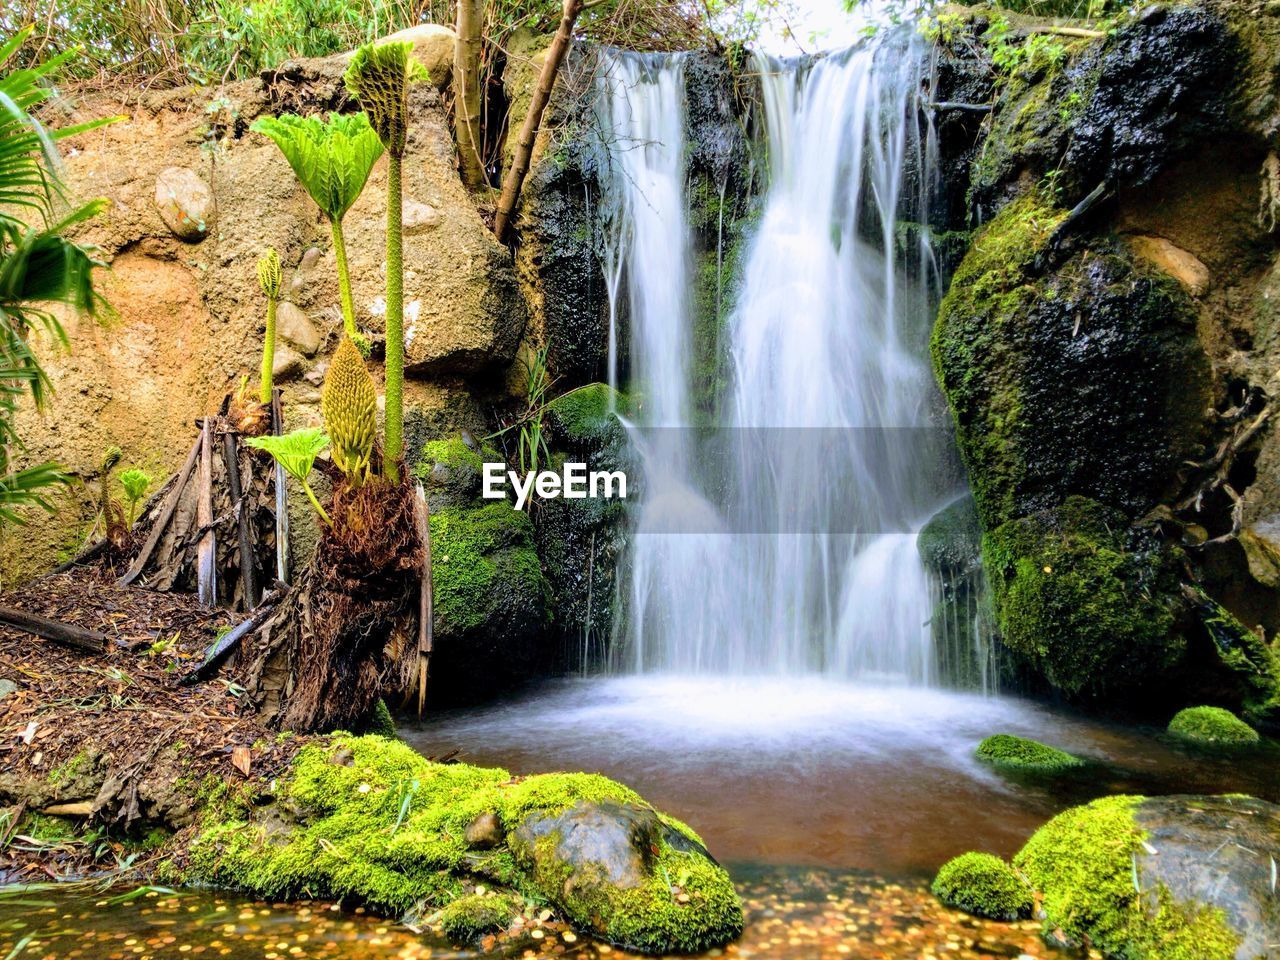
(90, 641)
(162, 521)
(426, 600)
(533, 120)
(282, 496)
(206, 554)
(224, 647)
(248, 584)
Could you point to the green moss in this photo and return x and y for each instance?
(482, 557)
(588, 414)
(469, 918)
(453, 452)
(951, 541)
(987, 298)
(1083, 862)
(380, 721)
(1212, 725)
(1005, 750)
(382, 825)
(983, 885)
(1090, 614)
(1254, 662)
(72, 770)
(687, 903)
(46, 829)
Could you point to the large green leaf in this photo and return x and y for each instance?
(296, 451)
(332, 158)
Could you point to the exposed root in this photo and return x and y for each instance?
(346, 632)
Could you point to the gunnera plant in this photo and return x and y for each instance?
(296, 452)
(270, 280)
(380, 77)
(350, 406)
(332, 159)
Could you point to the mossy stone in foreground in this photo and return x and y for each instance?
(1091, 865)
(1212, 725)
(1006, 750)
(368, 819)
(983, 885)
(469, 918)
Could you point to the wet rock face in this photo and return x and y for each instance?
(1121, 111)
(1220, 852)
(606, 841)
(1161, 85)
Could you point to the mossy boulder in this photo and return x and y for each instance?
(1087, 601)
(634, 872)
(452, 469)
(490, 595)
(1164, 878)
(952, 539)
(587, 417)
(1212, 725)
(469, 918)
(1081, 377)
(983, 885)
(1005, 750)
(369, 820)
(950, 546)
(1118, 109)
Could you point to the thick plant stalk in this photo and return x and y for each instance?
(344, 284)
(268, 355)
(466, 93)
(271, 280)
(533, 120)
(393, 431)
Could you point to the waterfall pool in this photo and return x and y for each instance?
(811, 772)
(831, 803)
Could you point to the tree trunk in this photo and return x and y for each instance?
(533, 121)
(466, 93)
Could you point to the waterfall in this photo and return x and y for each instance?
(780, 540)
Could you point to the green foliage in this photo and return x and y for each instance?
(39, 268)
(331, 157)
(587, 414)
(983, 885)
(532, 439)
(204, 41)
(1212, 725)
(379, 76)
(136, 482)
(1084, 864)
(1012, 54)
(296, 452)
(1005, 750)
(469, 918)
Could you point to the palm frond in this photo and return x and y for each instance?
(30, 487)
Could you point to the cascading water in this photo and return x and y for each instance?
(789, 549)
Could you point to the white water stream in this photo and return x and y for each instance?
(790, 551)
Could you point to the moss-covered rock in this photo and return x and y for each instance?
(1087, 602)
(1212, 725)
(950, 546)
(588, 415)
(1083, 377)
(368, 819)
(491, 598)
(983, 885)
(469, 918)
(1146, 879)
(1005, 750)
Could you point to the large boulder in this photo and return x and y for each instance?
(1160, 878)
(605, 860)
(366, 819)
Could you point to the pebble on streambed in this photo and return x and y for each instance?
(805, 915)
